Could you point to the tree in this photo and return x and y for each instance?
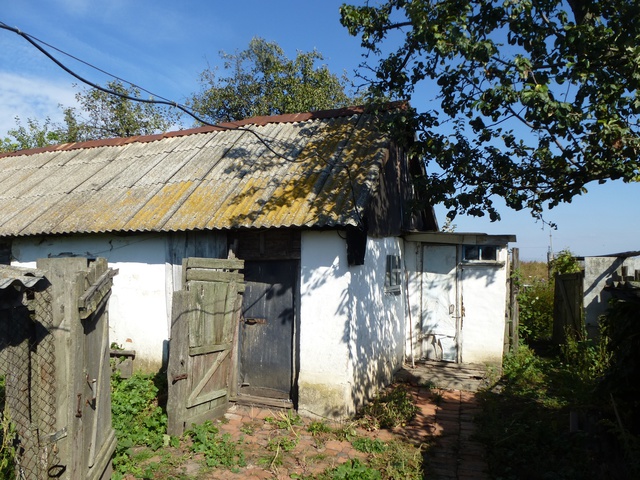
(263, 81)
(33, 135)
(102, 115)
(535, 98)
(105, 115)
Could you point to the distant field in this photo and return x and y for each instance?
(534, 270)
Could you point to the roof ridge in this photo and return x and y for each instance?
(257, 121)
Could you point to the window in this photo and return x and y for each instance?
(393, 275)
(482, 253)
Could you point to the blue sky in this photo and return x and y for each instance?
(163, 46)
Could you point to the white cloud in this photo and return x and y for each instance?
(31, 97)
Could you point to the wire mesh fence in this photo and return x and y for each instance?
(27, 365)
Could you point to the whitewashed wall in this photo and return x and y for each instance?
(351, 331)
(137, 307)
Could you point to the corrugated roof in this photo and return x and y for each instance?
(314, 169)
(18, 276)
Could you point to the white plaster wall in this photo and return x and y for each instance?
(137, 307)
(324, 376)
(377, 321)
(351, 331)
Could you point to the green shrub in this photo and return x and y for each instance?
(535, 301)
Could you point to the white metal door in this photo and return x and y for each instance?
(439, 303)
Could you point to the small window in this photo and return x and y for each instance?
(393, 276)
(483, 253)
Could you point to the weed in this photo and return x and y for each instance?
(346, 431)
(316, 428)
(396, 407)
(369, 445)
(351, 470)
(7, 446)
(218, 451)
(137, 418)
(285, 421)
(286, 444)
(398, 460)
(248, 428)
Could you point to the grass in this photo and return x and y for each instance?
(525, 423)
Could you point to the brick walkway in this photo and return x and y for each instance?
(454, 454)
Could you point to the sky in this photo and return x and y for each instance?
(163, 46)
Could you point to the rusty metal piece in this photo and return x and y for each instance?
(79, 407)
(182, 376)
(255, 321)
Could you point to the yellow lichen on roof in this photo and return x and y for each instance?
(320, 171)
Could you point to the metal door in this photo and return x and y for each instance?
(440, 311)
(267, 329)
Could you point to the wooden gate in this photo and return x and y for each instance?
(59, 396)
(568, 306)
(204, 324)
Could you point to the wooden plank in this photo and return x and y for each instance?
(93, 297)
(215, 263)
(207, 397)
(204, 349)
(178, 363)
(208, 275)
(194, 399)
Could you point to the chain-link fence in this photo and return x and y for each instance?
(27, 364)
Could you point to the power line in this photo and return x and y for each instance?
(34, 41)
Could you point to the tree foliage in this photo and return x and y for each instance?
(105, 115)
(100, 115)
(263, 81)
(535, 98)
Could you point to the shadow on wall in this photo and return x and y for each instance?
(374, 330)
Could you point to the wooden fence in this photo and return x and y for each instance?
(54, 357)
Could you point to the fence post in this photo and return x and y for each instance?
(511, 339)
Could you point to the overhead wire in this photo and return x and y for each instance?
(35, 42)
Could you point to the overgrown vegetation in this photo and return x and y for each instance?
(218, 450)
(140, 424)
(567, 411)
(7, 437)
(394, 407)
(137, 418)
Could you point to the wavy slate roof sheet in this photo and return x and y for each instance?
(19, 277)
(316, 169)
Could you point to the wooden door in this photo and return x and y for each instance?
(204, 320)
(440, 311)
(267, 330)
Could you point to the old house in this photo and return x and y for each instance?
(315, 204)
